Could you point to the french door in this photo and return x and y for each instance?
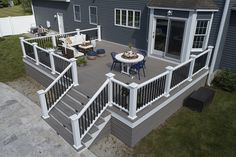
(168, 37)
(60, 23)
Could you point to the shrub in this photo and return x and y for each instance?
(26, 5)
(16, 2)
(226, 80)
(81, 60)
(5, 3)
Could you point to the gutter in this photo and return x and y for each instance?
(218, 41)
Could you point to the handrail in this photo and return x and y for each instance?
(63, 58)
(92, 99)
(25, 41)
(182, 64)
(54, 82)
(204, 52)
(42, 49)
(153, 79)
(120, 83)
(42, 37)
(66, 33)
(90, 29)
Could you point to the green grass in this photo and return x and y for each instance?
(211, 133)
(13, 11)
(11, 65)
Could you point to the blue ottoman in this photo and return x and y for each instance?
(91, 55)
(100, 52)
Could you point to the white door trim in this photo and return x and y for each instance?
(60, 23)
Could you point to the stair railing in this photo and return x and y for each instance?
(58, 88)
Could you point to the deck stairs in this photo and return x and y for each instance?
(72, 103)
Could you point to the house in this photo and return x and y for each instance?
(178, 36)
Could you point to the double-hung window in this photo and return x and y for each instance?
(127, 18)
(93, 18)
(201, 34)
(77, 13)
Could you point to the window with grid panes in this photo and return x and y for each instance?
(200, 34)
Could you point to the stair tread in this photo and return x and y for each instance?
(105, 114)
(65, 109)
(85, 92)
(78, 97)
(61, 118)
(93, 130)
(99, 121)
(73, 104)
(86, 138)
(65, 134)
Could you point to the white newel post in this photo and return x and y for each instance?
(210, 48)
(22, 46)
(36, 53)
(110, 76)
(52, 62)
(190, 74)
(78, 31)
(43, 104)
(168, 80)
(75, 131)
(54, 42)
(99, 33)
(74, 71)
(133, 100)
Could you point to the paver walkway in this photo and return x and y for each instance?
(23, 133)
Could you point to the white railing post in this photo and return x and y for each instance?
(54, 42)
(43, 104)
(133, 100)
(78, 31)
(52, 63)
(36, 53)
(74, 71)
(22, 46)
(210, 48)
(110, 95)
(168, 80)
(190, 74)
(75, 131)
(99, 33)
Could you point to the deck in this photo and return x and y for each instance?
(93, 75)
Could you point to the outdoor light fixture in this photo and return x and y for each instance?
(170, 12)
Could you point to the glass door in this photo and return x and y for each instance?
(175, 39)
(160, 36)
(168, 38)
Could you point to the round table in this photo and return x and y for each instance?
(128, 62)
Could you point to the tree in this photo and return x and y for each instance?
(26, 5)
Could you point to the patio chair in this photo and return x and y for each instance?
(115, 61)
(144, 54)
(138, 66)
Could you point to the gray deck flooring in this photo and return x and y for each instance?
(92, 75)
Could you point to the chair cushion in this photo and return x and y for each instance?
(91, 53)
(100, 51)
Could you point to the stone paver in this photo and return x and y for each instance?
(23, 132)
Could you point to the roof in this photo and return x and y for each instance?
(184, 4)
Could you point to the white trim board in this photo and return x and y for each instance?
(159, 107)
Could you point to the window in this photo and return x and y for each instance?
(93, 15)
(201, 34)
(77, 13)
(127, 18)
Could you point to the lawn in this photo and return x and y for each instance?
(211, 133)
(13, 11)
(11, 65)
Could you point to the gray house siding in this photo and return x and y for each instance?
(45, 10)
(228, 59)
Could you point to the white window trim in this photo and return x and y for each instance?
(96, 15)
(126, 26)
(75, 5)
(205, 42)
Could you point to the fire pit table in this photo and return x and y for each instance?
(127, 62)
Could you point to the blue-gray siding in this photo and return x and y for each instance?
(45, 10)
(228, 59)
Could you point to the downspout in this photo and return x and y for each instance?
(219, 37)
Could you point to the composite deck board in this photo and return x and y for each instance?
(99, 121)
(105, 114)
(78, 97)
(61, 118)
(93, 130)
(65, 134)
(86, 138)
(65, 109)
(73, 104)
(87, 92)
